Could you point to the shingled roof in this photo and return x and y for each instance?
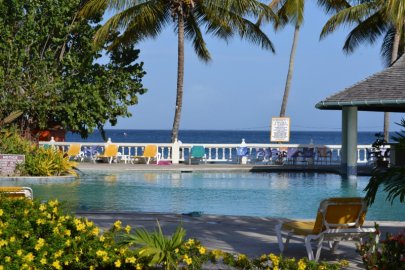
(383, 91)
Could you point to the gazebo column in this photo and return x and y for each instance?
(349, 141)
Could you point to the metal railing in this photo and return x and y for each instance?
(215, 153)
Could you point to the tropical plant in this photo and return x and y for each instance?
(288, 11)
(372, 19)
(156, 247)
(50, 71)
(141, 19)
(392, 179)
(38, 160)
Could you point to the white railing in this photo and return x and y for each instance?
(214, 152)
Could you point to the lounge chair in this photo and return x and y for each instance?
(110, 153)
(74, 152)
(17, 192)
(150, 152)
(242, 154)
(324, 154)
(197, 152)
(337, 219)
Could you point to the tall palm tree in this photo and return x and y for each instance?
(372, 19)
(140, 19)
(288, 11)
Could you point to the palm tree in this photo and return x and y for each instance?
(288, 11)
(141, 19)
(372, 19)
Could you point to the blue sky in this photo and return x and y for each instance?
(242, 87)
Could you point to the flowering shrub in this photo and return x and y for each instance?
(35, 235)
(384, 254)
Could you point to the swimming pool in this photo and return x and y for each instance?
(286, 194)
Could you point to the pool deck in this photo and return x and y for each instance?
(253, 236)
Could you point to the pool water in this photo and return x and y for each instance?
(290, 195)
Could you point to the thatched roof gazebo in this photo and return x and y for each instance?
(383, 91)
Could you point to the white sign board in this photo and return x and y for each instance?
(280, 129)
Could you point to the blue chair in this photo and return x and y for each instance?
(242, 152)
(197, 152)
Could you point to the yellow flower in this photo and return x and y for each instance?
(7, 259)
(26, 211)
(55, 230)
(95, 231)
(55, 210)
(29, 257)
(101, 253)
(43, 261)
(67, 243)
(89, 223)
(26, 235)
(321, 267)
(176, 250)
(53, 203)
(117, 263)
(40, 221)
(138, 267)
(201, 250)
(57, 265)
(117, 225)
(58, 254)
(67, 232)
(1, 212)
(77, 259)
(1, 267)
(19, 252)
(301, 265)
(128, 228)
(3, 243)
(12, 239)
(130, 260)
(40, 243)
(190, 242)
(102, 238)
(42, 207)
(66, 262)
(187, 260)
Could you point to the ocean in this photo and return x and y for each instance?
(217, 136)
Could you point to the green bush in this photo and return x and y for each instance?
(38, 161)
(35, 235)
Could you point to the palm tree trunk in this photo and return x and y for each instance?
(180, 78)
(394, 56)
(290, 71)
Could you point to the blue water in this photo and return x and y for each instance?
(290, 195)
(218, 136)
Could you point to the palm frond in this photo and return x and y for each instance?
(225, 22)
(368, 31)
(136, 23)
(192, 32)
(387, 46)
(348, 17)
(290, 11)
(333, 6)
(392, 181)
(92, 7)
